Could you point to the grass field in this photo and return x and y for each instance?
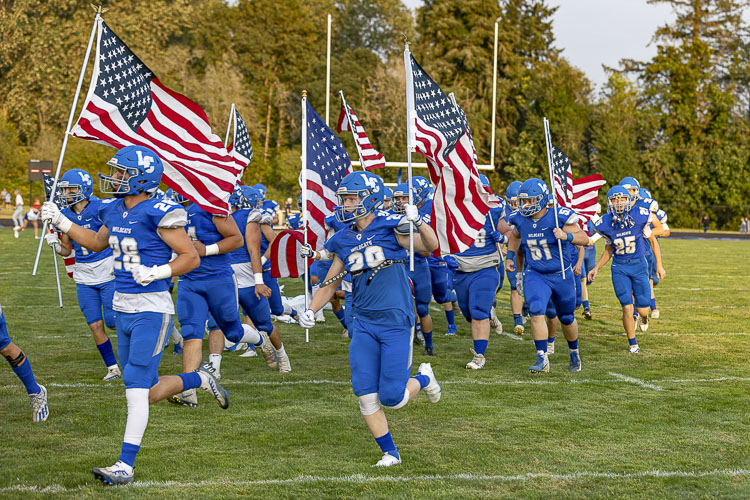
(670, 422)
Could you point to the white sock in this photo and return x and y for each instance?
(215, 360)
(176, 336)
(251, 335)
(280, 352)
(137, 420)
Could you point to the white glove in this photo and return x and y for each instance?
(53, 241)
(145, 275)
(51, 214)
(412, 214)
(307, 251)
(307, 319)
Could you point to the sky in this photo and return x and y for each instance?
(595, 32)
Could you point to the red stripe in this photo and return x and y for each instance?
(343, 123)
(184, 101)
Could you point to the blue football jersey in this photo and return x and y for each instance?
(538, 242)
(650, 204)
(270, 207)
(240, 255)
(387, 298)
(201, 227)
(294, 221)
(134, 240)
(87, 219)
(482, 246)
(629, 243)
(334, 224)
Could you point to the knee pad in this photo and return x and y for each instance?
(394, 404)
(423, 310)
(368, 403)
(567, 319)
(190, 332)
(16, 362)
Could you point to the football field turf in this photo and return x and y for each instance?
(672, 421)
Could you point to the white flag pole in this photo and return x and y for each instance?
(328, 71)
(352, 129)
(410, 141)
(229, 126)
(548, 141)
(494, 102)
(57, 277)
(303, 158)
(97, 18)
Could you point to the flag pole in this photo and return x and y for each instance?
(328, 71)
(548, 141)
(351, 127)
(303, 158)
(57, 277)
(97, 18)
(494, 102)
(229, 125)
(410, 140)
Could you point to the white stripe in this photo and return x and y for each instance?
(635, 381)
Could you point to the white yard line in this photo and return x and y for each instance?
(635, 381)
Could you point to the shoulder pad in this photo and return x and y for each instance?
(597, 222)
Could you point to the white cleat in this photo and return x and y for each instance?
(432, 390)
(655, 314)
(634, 349)
(643, 323)
(250, 353)
(387, 460)
(187, 398)
(495, 323)
(39, 410)
(119, 473)
(15, 233)
(269, 353)
(284, 365)
(211, 386)
(477, 363)
(550, 348)
(113, 373)
(320, 317)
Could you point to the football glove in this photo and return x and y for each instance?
(53, 241)
(51, 213)
(307, 319)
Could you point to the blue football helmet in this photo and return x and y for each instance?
(421, 188)
(620, 210)
(484, 180)
(236, 199)
(632, 185)
(644, 193)
(533, 196)
(143, 167)
(176, 197)
(369, 188)
(262, 190)
(511, 194)
(387, 193)
(74, 186)
(251, 196)
(402, 190)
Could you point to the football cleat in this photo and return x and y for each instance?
(643, 323)
(477, 363)
(211, 386)
(518, 330)
(388, 460)
(177, 349)
(428, 351)
(15, 232)
(419, 338)
(113, 373)
(587, 313)
(320, 317)
(269, 353)
(284, 365)
(250, 353)
(550, 348)
(119, 473)
(634, 349)
(575, 362)
(655, 314)
(39, 409)
(452, 330)
(432, 390)
(187, 398)
(495, 323)
(541, 365)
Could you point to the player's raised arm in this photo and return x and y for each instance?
(427, 240)
(96, 241)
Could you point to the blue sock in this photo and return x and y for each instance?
(293, 314)
(517, 320)
(108, 355)
(550, 340)
(26, 375)
(341, 317)
(427, 339)
(190, 380)
(387, 446)
(128, 453)
(422, 379)
(632, 341)
(573, 344)
(450, 317)
(653, 304)
(541, 345)
(480, 346)
(586, 304)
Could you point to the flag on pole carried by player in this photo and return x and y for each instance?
(241, 148)
(368, 155)
(586, 197)
(562, 177)
(327, 163)
(285, 258)
(461, 203)
(126, 104)
(49, 181)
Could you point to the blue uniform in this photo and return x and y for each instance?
(144, 313)
(382, 309)
(209, 287)
(95, 286)
(542, 274)
(294, 221)
(629, 266)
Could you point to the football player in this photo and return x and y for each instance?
(589, 261)
(21, 366)
(536, 230)
(93, 271)
(372, 249)
(142, 232)
(516, 301)
(624, 228)
(645, 194)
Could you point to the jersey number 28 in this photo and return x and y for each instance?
(127, 249)
(373, 256)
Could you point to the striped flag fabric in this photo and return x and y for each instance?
(586, 197)
(460, 203)
(327, 163)
(562, 178)
(126, 104)
(285, 259)
(241, 148)
(368, 155)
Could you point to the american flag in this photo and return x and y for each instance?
(49, 181)
(327, 164)
(241, 148)
(285, 259)
(585, 197)
(126, 104)
(368, 155)
(562, 177)
(466, 124)
(461, 203)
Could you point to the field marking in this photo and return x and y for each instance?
(364, 479)
(635, 381)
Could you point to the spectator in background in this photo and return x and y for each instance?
(288, 208)
(5, 198)
(743, 225)
(18, 214)
(706, 222)
(31, 216)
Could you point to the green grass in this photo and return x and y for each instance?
(496, 432)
